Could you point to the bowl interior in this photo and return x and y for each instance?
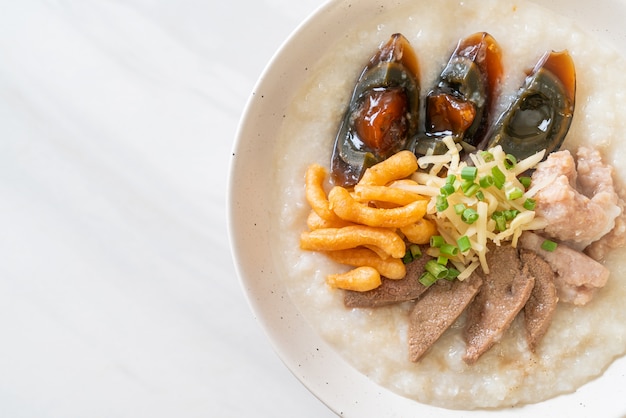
(315, 363)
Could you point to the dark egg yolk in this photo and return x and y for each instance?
(382, 119)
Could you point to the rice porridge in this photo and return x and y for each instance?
(582, 340)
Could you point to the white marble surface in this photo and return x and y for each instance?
(118, 295)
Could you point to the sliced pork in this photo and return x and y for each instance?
(503, 294)
(577, 198)
(436, 310)
(543, 300)
(578, 276)
(391, 291)
(614, 239)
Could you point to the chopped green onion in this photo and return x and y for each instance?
(415, 250)
(498, 177)
(529, 204)
(510, 161)
(471, 190)
(469, 216)
(427, 279)
(436, 269)
(464, 243)
(447, 189)
(452, 274)
(525, 180)
(502, 216)
(442, 260)
(469, 173)
(548, 245)
(465, 184)
(451, 179)
(500, 219)
(441, 204)
(514, 193)
(486, 181)
(459, 208)
(480, 195)
(436, 241)
(487, 156)
(510, 214)
(448, 249)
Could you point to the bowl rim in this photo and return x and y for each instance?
(309, 358)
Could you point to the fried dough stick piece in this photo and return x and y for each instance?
(330, 239)
(391, 291)
(436, 310)
(504, 293)
(391, 268)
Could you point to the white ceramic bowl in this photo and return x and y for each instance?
(329, 377)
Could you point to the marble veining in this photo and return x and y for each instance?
(118, 296)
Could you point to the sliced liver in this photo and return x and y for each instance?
(543, 300)
(503, 294)
(436, 310)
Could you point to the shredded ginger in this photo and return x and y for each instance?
(503, 204)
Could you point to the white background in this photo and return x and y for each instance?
(118, 295)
